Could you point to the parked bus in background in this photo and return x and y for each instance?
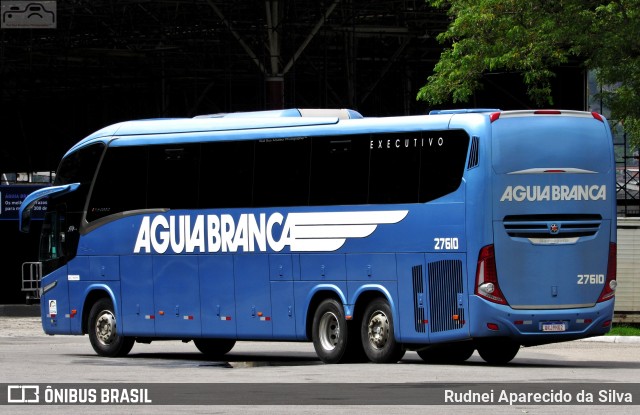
(445, 233)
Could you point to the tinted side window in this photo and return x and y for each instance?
(416, 167)
(173, 176)
(79, 167)
(282, 172)
(443, 161)
(226, 174)
(339, 170)
(413, 167)
(121, 183)
(395, 168)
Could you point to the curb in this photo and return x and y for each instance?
(613, 339)
(20, 310)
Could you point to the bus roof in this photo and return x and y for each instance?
(269, 124)
(279, 123)
(341, 113)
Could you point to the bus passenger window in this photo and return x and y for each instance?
(226, 174)
(395, 168)
(339, 170)
(173, 176)
(121, 183)
(443, 161)
(281, 172)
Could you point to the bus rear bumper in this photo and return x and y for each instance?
(533, 327)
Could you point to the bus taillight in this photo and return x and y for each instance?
(610, 284)
(487, 278)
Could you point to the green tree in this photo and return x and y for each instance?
(534, 37)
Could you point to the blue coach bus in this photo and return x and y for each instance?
(445, 233)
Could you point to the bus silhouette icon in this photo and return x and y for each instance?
(33, 15)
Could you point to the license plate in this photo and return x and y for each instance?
(556, 326)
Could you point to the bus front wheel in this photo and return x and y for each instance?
(378, 339)
(103, 333)
(497, 351)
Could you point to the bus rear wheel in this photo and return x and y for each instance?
(497, 351)
(378, 340)
(330, 333)
(214, 347)
(103, 332)
(447, 353)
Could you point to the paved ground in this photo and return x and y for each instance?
(29, 356)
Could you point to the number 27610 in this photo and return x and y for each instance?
(445, 243)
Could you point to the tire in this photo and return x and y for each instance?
(376, 331)
(497, 351)
(447, 353)
(214, 348)
(103, 331)
(330, 332)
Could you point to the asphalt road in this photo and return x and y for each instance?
(28, 356)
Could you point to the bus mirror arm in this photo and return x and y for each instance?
(24, 215)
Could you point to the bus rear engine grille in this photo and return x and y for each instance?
(552, 226)
(446, 287)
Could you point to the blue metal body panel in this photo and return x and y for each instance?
(253, 297)
(138, 308)
(282, 310)
(217, 287)
(176, 295)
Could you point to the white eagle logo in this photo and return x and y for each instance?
(328, 231)
(300, 231)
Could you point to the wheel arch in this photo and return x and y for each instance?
(366, 294)
(92, 295)
(317, 296)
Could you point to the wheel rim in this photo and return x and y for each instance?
(106, 327)
(329, 331)
(378, 330)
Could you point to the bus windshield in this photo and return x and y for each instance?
(557, 143)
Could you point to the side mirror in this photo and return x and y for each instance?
(25, 220)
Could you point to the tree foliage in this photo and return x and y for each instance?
(533, 37)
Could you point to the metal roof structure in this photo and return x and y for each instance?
(115, 60)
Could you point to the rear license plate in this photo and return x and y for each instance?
(554, 326)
